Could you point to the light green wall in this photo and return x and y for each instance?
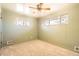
(13, 32)
(64, 35)
(0, 27)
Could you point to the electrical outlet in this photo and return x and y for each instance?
(76, 48)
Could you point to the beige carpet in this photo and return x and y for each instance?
(35, 48)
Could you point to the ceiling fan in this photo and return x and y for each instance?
(39, 7)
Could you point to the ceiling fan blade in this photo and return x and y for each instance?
(33, 7)
(45, 8)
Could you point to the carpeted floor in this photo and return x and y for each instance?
(36, 48)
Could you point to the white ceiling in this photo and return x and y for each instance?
(33, 12)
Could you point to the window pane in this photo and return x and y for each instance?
(55, 21)
(64, 19)
(47, 22)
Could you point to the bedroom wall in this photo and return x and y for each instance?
(14, 32)
(63, 35)
(0, 27)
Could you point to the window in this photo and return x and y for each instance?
(55, 21)
(47, 22)
(19, 21)
(22, 22)
(64, 19)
